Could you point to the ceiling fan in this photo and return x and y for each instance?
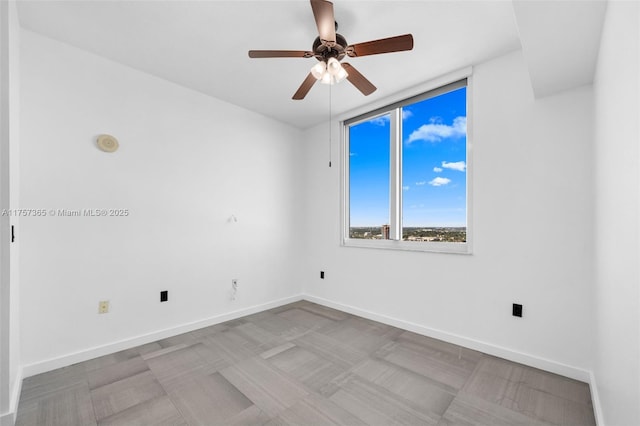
(330, 48)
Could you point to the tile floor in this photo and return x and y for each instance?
(302, 364)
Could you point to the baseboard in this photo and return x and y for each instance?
(9, 418)
(595, 400)
(69, 359)
(488, 348)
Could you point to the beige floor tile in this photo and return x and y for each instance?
(267, 387)
(282, 327)
(441, 367)
(275, 351)
(258, 338)
(233, 346)
(208, 399)
(114, 372)
(376, 405)
(252, 416)
(126, 393)
(331, 349)
(70, 406)
(324, 311)
(157, 412)
(317, 411)
(176, 364)
(316, 373)
(468, 410)
(540, 395)
(433, 399)
(106, 360)
(305, 318)
(41, 385)
(360, 340)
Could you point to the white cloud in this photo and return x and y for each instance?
(383, 120)
(460, 166)
(439, 181)
(435, 132)
(353, 154)
(437, 169)
(405, 188)
(422, 182)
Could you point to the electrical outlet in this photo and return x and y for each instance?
(164, 295)
(517, 310)
(322, 275)
(103, 307)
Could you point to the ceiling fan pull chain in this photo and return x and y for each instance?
(329, 125)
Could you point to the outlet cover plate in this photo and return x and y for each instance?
(517, 310)
(103, 307)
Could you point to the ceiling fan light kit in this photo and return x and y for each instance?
(329, 48)
(329, 72)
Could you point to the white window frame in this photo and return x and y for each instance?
(392, 106)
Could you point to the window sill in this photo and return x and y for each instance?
(454, 248)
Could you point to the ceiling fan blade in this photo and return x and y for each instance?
(384, 45)
(325, 21)
(280, 54)
(304, 88)
(358, 80)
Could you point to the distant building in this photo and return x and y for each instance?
(385, 232)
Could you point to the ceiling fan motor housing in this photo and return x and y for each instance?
(323, 52)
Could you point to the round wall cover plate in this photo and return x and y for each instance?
(107, 143)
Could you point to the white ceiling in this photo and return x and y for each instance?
(564, 55)
(203, 44)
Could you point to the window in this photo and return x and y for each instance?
(406, 174)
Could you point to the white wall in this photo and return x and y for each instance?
(186, 164)
(532, 211)
(617, 241)
(10, 369)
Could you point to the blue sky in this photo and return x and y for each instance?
(434, 165)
